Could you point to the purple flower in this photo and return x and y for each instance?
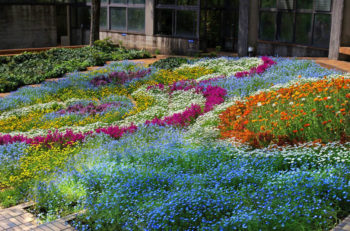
(120, 77)
(89, 109)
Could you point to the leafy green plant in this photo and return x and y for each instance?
(32, 68)
(170, 63)
(105, 45)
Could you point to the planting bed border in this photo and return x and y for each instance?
(11, 52)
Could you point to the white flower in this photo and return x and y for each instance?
(259, 104)
(291, 103)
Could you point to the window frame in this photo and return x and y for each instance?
(294, 12)
(47, 2)
(109, 5)
(175, 8)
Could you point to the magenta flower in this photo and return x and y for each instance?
(259, 69)
(117, 132)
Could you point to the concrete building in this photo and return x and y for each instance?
(270, 27)
(43, 23)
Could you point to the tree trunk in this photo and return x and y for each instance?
(95, 21)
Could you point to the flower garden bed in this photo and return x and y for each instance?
(210, 144)
(33, 68)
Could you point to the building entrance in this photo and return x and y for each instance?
(219, 25)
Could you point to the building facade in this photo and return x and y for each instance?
(43, 23)
(270, 27)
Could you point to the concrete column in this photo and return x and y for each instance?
(243, 27)
(68, 24)
(149, 17)
(336, 26)
(253, 23)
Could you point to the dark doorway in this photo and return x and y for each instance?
(61, 19)
(219, 25)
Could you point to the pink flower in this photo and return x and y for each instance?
(259, 69)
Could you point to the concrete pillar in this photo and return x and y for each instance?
(69, 24)
(336, 26)
(149, 17)
(253, 23)
(243, 27)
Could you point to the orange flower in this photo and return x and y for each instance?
(343, 109)
(313, 110)
(301, 129)
(295, 131)
(306, 125)
(324, 122)
(347, 95)
(283, 113)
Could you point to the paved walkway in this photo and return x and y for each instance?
(329, 63)
(344, 225)
(18, 219)
(334, 64)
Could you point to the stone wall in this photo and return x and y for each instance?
(166, 45)
(27, 26)
(289, 50)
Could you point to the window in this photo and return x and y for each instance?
(136, 19)
(306, 22)
(123, 15)
(103, 17)
(118, 19)
(80, 17)
(178, 18)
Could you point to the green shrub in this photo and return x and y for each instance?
(170, 63)
(33, 68)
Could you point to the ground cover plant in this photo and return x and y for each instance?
(32, 68)
(212, 144)
(170, 63)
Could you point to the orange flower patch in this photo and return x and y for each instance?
(287, 115)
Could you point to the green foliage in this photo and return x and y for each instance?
(32, 68)
(169, 63)
(105, 45)
(12, 196)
